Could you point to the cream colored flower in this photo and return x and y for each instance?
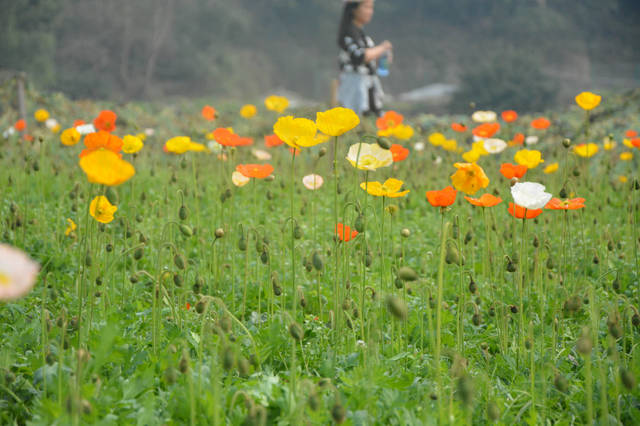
(312, 181)
(18, 273)
(484, 116)
(261, 154)
(531, 140)
(366, 156)
(239, 179)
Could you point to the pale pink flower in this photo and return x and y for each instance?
(18, 273)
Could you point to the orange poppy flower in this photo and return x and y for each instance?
(20, 125)
(258, 171)
(226, 137)
(272, 140)
(540, 123)
(631, 134)
(520, 212)
(208, 113)
(635, 142)
(388, 120)
(399, 152)
(443, 198)
(572, 204)
(486, 130)
(104, 140)
(509, 115)
(27, 137)
(345, 233)
(511, 171)
(486, 200)
(106, 121)
(458, 127)
(518, 139)
(78, 122)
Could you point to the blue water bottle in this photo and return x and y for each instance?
(383, 66)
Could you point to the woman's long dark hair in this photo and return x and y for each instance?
(347, 20)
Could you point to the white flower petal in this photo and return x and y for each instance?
(530, 195)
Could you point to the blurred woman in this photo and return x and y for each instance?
(360, 87)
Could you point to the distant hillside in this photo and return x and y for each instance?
(522, 53)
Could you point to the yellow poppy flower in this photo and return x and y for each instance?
(469, 178)
(626, 156)
(297, 132)
(472, 156)
(71, 227)
(41, 115)
(276, 103)
(402, 131)
(182, 144)
(101, 209)
(248, 111)
(337, 121)
(609, 144)
(437, 139)
(586, 149)
(622, 179)
(528, 157)
(588, 101)
(450, 145)
(390, 188)
(131, 144)
(106, 167)
(366, 156)
(551, 168)
(70, 137)
(386, 132)
(626, 142)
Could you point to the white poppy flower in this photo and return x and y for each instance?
(261, 154)
(418, 146)
(10, 131)
(51, 123)
(494, 145)
(312, 181)
(149, 131)
(85, 129)
(484, 116)
(530, 195)
(17, 273)
(239, 179)
(531, 140)
(437, 161)
(369, 156)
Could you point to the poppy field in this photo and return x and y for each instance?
(203, 263)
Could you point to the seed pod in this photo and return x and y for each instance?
(109, 247)
(396, 307)
(243, 367)
(317, 261)
(405, 232)
(476, 319)
(228, 358)
(406, 273)
(359, 223)
(242, 243)
(628, 379)
(297, 232)
(177, 280)
(493, 412)
(338, 413)
(185, 230)
(561, 383)
(584, 345)
(183, 365)
(179, 261)
(112, 195)
(452, 256)
(88, 259)
(200, 305)
(264, 257)
(296, 331)
(170, 375)
(468, 237)
(138, 253)
(473, 287)
(384, 143)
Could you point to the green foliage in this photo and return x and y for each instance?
(510, 80)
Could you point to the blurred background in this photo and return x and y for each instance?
(523, 54)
